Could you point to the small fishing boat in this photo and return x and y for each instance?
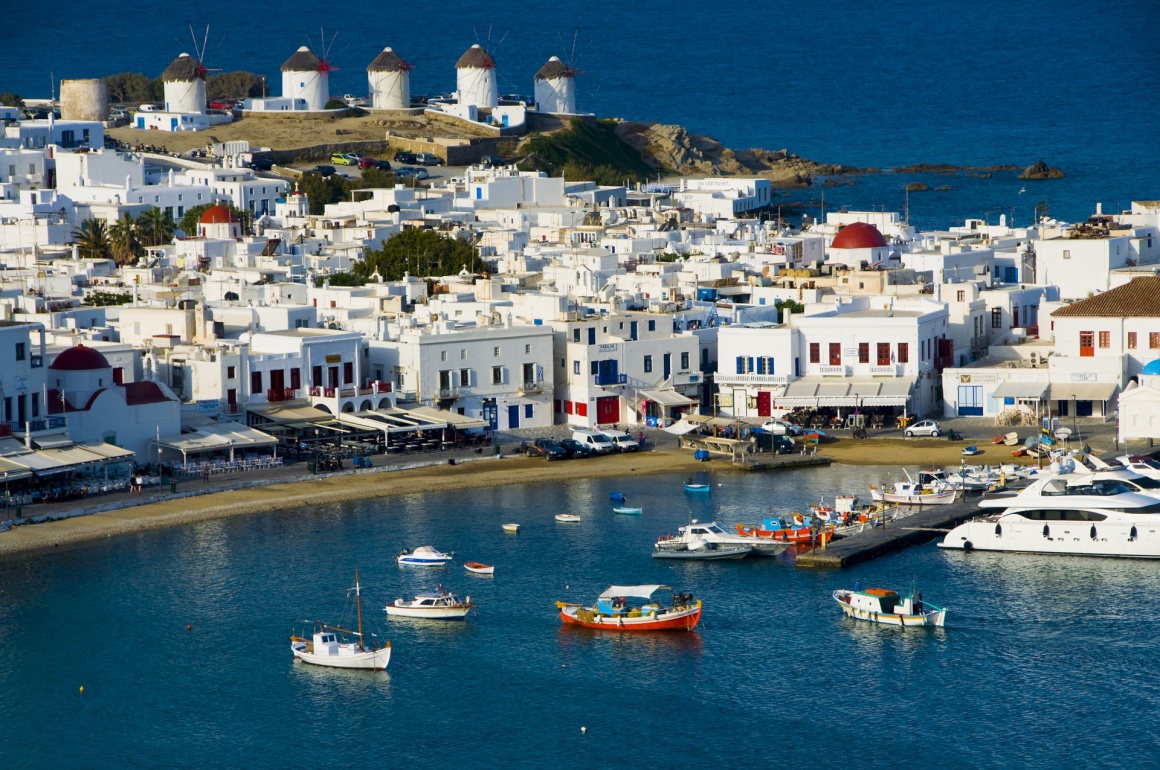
(424, 556)
(479, 568)
(326, 648)
(689, 487)
(971, 451)
(440, 605)
(625, 510)
(704, 552)
(792, 528)
(511, 529)
(700, 538)
(613, 611)
(568, 518)
(882, 605)
(616, 496)
(912, 493)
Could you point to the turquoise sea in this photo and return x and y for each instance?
(884, 84)
(1044, 663)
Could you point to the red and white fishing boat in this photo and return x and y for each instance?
(792, 528)
(614, 612)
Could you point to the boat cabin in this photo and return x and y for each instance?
(882, 601)
(326, 643)
(617, 606)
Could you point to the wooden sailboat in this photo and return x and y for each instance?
(326, 648)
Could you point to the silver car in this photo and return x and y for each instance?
(922, 428)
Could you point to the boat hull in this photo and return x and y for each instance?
(700, 488)
(681, 620)
(704, 554)
(1069, 538)
(627, 511)
(348, 657)
(479, 569)
(408, 561)
(934, 498)
(432, 613)
(567, 518)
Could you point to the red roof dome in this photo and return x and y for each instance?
(220, 215)
(858, 235)
(80, 359)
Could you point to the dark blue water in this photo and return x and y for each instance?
(882, 84)
(1045, 662)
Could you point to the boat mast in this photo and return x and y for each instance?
(358, 603)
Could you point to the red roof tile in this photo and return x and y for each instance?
(1138, 298)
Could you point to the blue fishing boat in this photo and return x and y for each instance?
(696, 487)
(616, 496)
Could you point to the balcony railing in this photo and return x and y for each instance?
(611, 379)
(747, 379)
(532, 386)
(883, 371)
(281, 394)
(375, 386)
(832, 371)
(317, 392)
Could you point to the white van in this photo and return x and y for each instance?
(624, 442)
(595, 440)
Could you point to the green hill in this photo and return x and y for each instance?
(585, 150)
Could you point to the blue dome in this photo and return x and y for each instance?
(1152, 367)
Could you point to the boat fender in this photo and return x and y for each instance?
(968, 546)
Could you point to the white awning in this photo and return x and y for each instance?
(849, 392)
(72, 455)
(292, 413)
(108, 451)
(455, 420)
(11, 446)
(803, 388)
(1020, 390)
(52, 442)
(667, 397)
(640, 592)
(681, 427)
(39, 464)
(11, 471)
(831, 390)
(1082, 391)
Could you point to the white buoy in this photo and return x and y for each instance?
(583, 730)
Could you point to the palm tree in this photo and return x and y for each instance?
(156, 227)
(92, 239)
(125, 240)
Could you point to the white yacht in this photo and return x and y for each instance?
(1068, 513)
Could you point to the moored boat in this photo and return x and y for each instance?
(511, 529)
(912, 493)
(882, 605)
(793, 528)
(568, 518)
(701, 488)
(424, 556)
(479, 568)
(613, 611)
(704, 552)
(627, 511)
(696, 537)
(440, 605)
(326, 647)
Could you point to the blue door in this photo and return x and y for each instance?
(489, 414)
(141, 124)
(513, 416)
(591, 335)
(970, 400)
(632, 331)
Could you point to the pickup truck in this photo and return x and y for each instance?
(544, 447)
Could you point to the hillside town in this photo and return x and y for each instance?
(129, 340)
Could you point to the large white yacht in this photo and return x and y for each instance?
(1068, 513)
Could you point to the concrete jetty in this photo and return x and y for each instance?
(921, 527)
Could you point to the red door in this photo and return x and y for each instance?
(763, 403)
(607, 410)
(1087, 343)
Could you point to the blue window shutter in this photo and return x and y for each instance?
(741, 364)
(750, 364)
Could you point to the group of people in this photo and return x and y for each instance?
(136, 483)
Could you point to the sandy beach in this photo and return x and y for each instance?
(489, 472)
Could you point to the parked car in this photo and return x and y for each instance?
(574, 448)
(487, 161)
(598, 442)
(324, 170)
(428, 159)
(412, 172)
(546, 448)
(622, 440)
(781, 428)
(344, 159)
(261, 164)
(404, 157)
(922, 428)
(365, 162)
(383, 165)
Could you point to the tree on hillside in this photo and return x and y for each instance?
(340, 279)
(373, 177)
(92, 239)
(125, 240)
(156, 227)
(9, 99)
(420, 253)
(233, 85)
(321, 190)
(133, 88)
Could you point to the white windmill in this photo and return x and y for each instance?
(475, 78)
(389, 80)
(555, 87)
(306, 76)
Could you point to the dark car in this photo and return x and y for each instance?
(324, 170)
(490, 161)
(261, 164)
(383, 165)
(405, 157)
(573, 448)
(546, 448)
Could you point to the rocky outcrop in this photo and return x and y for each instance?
(674, 149)
(1040, 170)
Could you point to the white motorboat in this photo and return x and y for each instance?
(1142, 464)
(1067, 513)
(326, 648)
(424, 556)
(882, 605)
(699, 537)
(440, 605)
(511, 529)
(568, 518)
(912, 493)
